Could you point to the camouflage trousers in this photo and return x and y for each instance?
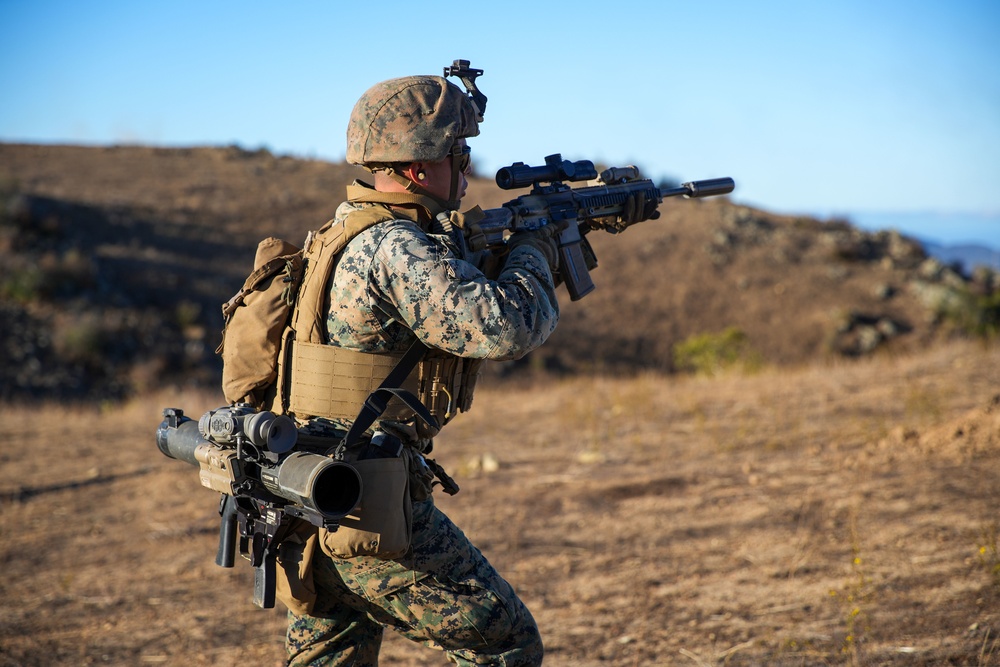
(443, 594)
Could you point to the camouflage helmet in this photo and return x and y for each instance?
(410, 119)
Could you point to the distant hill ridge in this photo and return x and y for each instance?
(938, 225)
(966, 255)
(114, 260)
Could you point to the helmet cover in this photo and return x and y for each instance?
(409, 119)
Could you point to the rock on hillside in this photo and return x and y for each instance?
(114, 260)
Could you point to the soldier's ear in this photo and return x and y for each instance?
(415, 172)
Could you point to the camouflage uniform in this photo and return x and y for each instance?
(395, 280)
(444, 594)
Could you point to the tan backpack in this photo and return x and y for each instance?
(283, 299)
(255, 319)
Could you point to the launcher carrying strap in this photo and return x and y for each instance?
(378, 400)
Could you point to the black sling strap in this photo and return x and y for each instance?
(378, 400)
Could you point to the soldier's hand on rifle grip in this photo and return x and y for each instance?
(542, 239)
(638, 208)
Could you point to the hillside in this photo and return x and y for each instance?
(114, 260)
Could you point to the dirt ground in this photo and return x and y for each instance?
(826, 515)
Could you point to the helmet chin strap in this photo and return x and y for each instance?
(428, 200)
(453, 201)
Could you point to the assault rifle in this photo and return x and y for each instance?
(248, 457)
(584, 209)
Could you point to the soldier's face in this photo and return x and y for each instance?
(437, 175)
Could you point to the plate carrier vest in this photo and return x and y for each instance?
(275, 351)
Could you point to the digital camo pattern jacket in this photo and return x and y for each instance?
(395, 280)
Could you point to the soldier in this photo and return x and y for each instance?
(409, 276)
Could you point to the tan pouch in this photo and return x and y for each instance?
(255, 320)
(382, 523)
(294, 585)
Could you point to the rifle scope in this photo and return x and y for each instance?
(318, 483)
(520, 175)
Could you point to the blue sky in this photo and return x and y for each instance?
(829, 108)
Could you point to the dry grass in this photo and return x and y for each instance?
(827, 515)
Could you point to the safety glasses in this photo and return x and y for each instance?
(462, 157)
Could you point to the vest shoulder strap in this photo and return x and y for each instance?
(316, 379)
(321, 253)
